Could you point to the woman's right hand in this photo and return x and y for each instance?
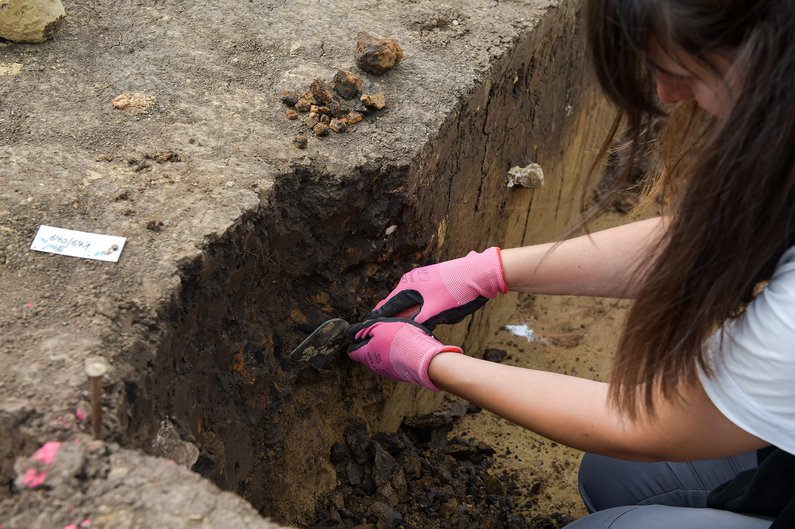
(446, 292)
(396, 348)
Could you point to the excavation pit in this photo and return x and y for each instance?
(239, 244)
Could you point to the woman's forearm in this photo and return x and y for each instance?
(601, 264)
(576, 412)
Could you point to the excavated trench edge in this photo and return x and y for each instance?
(316, 248)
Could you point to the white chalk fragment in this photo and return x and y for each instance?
(523, 330)
(530, 176)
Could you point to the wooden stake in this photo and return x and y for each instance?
(96, 369)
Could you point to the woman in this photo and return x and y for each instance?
(704, 373)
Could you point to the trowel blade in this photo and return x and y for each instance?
(323, 345)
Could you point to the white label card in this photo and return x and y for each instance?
(78, 243)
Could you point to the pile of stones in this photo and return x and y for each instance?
(337, 105)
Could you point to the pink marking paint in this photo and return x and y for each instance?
(70, 526)
(33, 478)
(84, 523)
(46, 454)
(80, 415)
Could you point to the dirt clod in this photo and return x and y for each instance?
(290, 97)
(163, 156)
(300, 142)
(133, 103)
(376, 55)
(322, 92)
(291, 114)
(417, 477)
(155, 225)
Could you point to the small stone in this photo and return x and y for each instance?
(300, 142)
(321, 129)
(353, 117)
(347, 85)
(495, 355)
(530, 176)
(337, 125)
(311, 120)
(324, 118)
(291, 114)
(303, 105)
(377, 55)
(375, 101)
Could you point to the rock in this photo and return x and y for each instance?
(30, 20)
(305, 102)
(346, 84)
(353, 117)
(311, 120)
(375, 101)
(291, 114)
(376, 55)
(338, 125)
(495, 355)
(530, 176)
(321, 129)
(168, 443)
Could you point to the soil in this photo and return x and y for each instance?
(163, 122)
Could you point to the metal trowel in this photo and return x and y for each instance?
(323, 345)
(329, 340)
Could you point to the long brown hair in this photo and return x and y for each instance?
(734, 213)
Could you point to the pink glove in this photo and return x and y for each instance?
(446, 292)
(396, 348)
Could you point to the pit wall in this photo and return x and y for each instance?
(318, 247)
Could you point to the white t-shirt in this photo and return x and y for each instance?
(754, 381)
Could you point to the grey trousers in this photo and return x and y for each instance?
(631, 495)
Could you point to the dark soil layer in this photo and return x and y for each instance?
(418, 477)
